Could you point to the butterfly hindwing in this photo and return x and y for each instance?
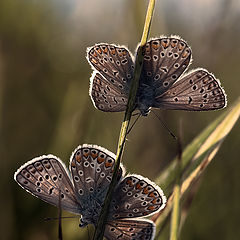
(104, 97)
(136, 196)
(130, 229)
(46, 177)
(196, 91)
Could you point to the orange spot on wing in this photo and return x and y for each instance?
(180, 47)
(113, 51)
(154, 201)
(151, 194)
(165, 44)
(145, 190)
(129, 182)
(73, 164)
(105, 50)
(40, 169)
(86, 154)
(93, 60)
(33, 170)
(78, 158)
(138, 186)
(185, 54)
(100, 160)
(107, 164)
(151, 208)
(93, 155)
(156, 46)
(99, 50)
(173, 44)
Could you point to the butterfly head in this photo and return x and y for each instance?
(144, 110)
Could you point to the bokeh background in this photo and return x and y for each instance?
(45, 107)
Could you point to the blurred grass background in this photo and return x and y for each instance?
(45, 107)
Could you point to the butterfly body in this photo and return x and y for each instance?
(162, 84)
(84, 190)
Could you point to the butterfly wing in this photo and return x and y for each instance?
(104, 97)
(165, 59)
(196, 91)
(46, 177)
(136, 196)
(130, 229)
(92, 169)
(110, 85)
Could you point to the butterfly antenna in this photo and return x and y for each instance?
(166, 127)
(60, 237)
(135, 121)
(179, 141)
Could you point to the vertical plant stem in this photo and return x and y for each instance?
(99, 232)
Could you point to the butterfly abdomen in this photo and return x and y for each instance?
(145, 98)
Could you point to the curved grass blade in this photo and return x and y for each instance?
(196, 158)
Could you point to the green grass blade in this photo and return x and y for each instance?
(197, 156)
(99, 232)
(224, 122)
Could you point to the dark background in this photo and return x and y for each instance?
(45, 107)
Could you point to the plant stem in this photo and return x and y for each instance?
(99, 232)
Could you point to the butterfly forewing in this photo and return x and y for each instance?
(92, 168)
(165, 59)
(46, 177)
(130, 229)
(105, 97)
(136, 196)
(114, 63)
(197, 91)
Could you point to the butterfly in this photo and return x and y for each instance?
(162, 82)
(83, 191)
